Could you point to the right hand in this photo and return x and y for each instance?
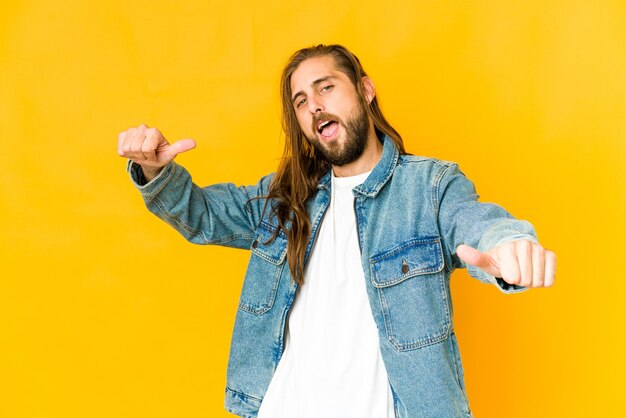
(149, 148)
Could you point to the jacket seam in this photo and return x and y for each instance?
(436, 206)
(243, 395)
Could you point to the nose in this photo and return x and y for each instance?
(315, 105)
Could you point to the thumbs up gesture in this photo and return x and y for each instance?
(149, 148)
(523, 263)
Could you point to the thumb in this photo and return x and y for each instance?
(474, 257)
(181, 146)
(167, 152)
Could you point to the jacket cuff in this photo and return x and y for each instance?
(154, 186)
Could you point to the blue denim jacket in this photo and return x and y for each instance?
(412, 212)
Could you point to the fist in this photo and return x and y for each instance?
(524, 263)
(149, 148)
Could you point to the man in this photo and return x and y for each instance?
(345, 309)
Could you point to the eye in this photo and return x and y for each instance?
(300, 102)
(327, 88)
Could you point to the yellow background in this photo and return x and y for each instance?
(106, 311)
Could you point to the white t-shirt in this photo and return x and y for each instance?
(332, 366)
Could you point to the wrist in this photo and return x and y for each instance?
(150, 172)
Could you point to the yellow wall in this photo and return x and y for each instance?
(105, 311)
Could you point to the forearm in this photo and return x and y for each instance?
(212, 215)
(463, 220)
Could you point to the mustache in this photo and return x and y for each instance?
(318, 117)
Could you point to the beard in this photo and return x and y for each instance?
(356, 130)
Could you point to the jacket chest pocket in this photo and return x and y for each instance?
(266, 264)
(411, 286)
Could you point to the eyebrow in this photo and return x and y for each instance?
(313, 84)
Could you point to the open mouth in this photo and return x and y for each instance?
(327, 128)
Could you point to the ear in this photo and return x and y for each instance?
(368, 88)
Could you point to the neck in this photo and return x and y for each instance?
(366, 162)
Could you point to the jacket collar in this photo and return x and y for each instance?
(380, 174)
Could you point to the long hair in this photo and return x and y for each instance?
(300, 168)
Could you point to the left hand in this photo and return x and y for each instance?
(523, 263)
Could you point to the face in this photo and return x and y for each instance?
(328, 110)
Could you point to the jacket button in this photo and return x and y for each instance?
(405, 268)
(255, 243)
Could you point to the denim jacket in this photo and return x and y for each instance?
(412, 212)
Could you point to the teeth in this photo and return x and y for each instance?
(322, 125)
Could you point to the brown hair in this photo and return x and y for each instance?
(300, 169)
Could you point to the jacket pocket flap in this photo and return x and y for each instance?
(274, 251)
(415, 257)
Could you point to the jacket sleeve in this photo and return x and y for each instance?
(463, 220)
(222, 214)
